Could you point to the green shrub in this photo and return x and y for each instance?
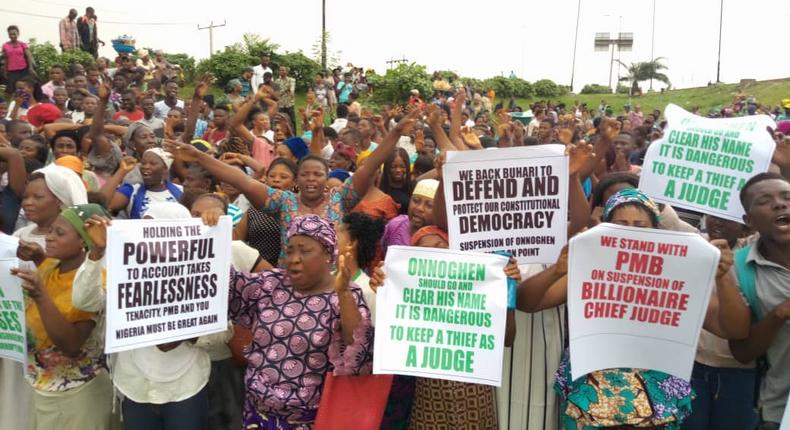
(547, 88)
(227, 64)
(596, 89)
(186, 63)
(395, 85)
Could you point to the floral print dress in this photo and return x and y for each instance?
(285, 206)
(617, 397)
(296, 339)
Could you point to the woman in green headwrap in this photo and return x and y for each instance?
(66, 365)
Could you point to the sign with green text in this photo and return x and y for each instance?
(441, 314)
(701, 164)
(12, 313)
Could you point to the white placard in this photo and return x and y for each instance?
(637, 298)
(441, 314)
(509, 199)
(167, 280)
(701, 164)
(13, 343)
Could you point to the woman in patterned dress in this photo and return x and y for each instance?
(305, 322)
(611, 398)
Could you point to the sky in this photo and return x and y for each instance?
(533, 39)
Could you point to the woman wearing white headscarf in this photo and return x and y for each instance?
(135, 199)
(162, 384)
(48, 191)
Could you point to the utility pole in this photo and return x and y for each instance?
(392, 62)
(211, 28)
(718, 60)
(575, 42)
(323, 34)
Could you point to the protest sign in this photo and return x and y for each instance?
(637, 298)
(13, 344)
(511, 199)
(701, 164)
(441, 314)
(167, 280)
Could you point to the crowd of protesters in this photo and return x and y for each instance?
(317, 194)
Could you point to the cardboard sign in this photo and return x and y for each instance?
(701, 164)
(637, 298)
(13, 343)
(441, 314)
(510, 199)
(167, 280)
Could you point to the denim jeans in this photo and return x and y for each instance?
(725, 399)
(188, 414)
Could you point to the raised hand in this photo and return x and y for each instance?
(377, 277)
(31, 282)
(725, 259)
(318, 120)
(203, 85)
(419, 140)
(96, 226)
(182, 151)
(30, 251)
(579, 155)
(127, 164)
(609, 128)
(407, 123)
(434, 115)
(343, 275)
(104, 91)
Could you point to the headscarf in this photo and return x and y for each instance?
(783, 127)
(202, 145)
(65, 184)
(165, 156)
(79, 214)
(346, 151)
(167, 210)
(130, 131)
(631, 196)
(340, 174)
(297, 146)
(430, 230)
(315, 228)
(71, 162)
(426, 188)
(43, 113)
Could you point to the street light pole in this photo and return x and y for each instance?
(575, 41)
(718, 60)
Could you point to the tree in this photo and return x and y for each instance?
(255, 45)
(46, 55)
(332, 56)
(644, 71)
(227, 64)
(395, 85)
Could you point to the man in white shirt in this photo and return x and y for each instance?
(259, 70)
(161, 108)
(342, 118)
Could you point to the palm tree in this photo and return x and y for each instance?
(644, 71)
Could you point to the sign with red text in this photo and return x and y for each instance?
(637, 298)
(441, 314)
(508, 199)
(167, 280)
(701, 164)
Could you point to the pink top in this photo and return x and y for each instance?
(263, 151)
(15, 56)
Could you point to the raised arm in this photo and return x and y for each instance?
(66, 335)
(761, 335)
(317, 142)
(256, 192)
(363, 177)
(17, 176)
(197, 103)
(455, 120)
(578, 206)
(115, 200)
(97, 138)
(439, 136)
(546, 289)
